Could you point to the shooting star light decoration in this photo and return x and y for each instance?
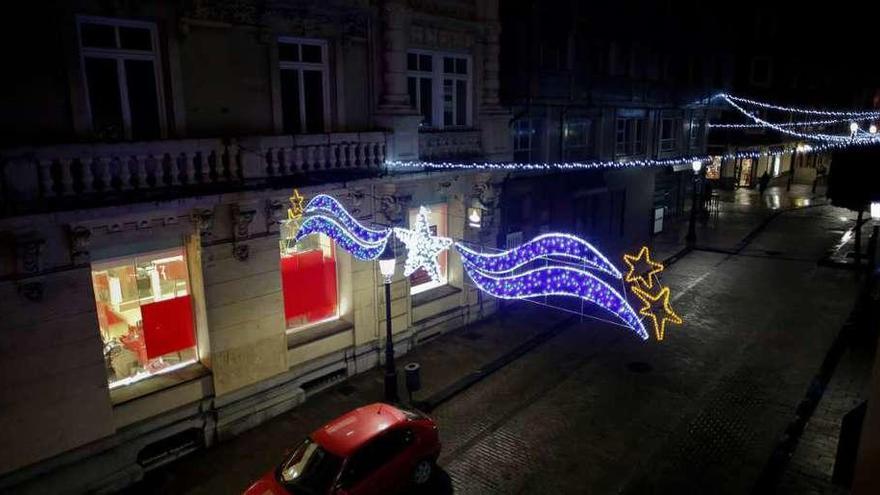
(642, 272)
(555, 264)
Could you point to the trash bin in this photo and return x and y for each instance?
(413, 377)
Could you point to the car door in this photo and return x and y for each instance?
(380, 466)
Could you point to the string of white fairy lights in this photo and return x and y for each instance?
(820, 142)
(869, 114)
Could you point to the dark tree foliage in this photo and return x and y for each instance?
(854, 180)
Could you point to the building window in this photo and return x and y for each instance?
(577, 138)
(308, 279)
(145, 315)
(120, 63)
(713, 168)
(696, 131)
(304, 104)
(439, 88)
(629, 136)
(523, 135)
(668, 133)
(420, 281)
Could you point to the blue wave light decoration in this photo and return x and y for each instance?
(360, 248)
(546, 246)
(329, 204)
(559, 281)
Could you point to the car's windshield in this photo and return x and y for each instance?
(310, 469)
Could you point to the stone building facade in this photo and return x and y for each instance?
(152, 302)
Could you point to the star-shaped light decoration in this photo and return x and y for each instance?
(422, 248)
(657, 308)
(642, 268)
(297, 206)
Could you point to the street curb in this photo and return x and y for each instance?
(472, 378)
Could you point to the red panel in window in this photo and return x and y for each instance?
(168, 326)
(308, 281)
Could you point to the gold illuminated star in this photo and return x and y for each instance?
(642, 268)
(296, 206)
(655, 304)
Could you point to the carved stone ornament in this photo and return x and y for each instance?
(355, 200)
(392, 209)
(241, 220)
(80, 238)
(29, 255)
(241, 252)
(203, 219)
(276, 212)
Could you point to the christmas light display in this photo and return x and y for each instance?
(344, 237)
(546, 246)
(804, 123)
(807, 111)
(422, 247)
(657, 308)
(559, 281)
(802, 135)
(642, 268)
(296, 209)
(324, 202)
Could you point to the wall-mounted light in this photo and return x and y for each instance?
(875, 210)
(475, 217)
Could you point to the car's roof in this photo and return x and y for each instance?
(347, 433)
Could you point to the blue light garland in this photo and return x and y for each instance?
(359, 248)
(329, 204)
(807, 111)
(559, 281)
(549, 246)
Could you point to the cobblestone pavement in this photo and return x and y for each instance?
(596, 410)
(577, 416)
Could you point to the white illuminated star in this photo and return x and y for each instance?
(422, 247)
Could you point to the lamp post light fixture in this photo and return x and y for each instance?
(872, 129)
(691, 238)
(853, 128)
(387, 264)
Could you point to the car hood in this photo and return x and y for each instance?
(267, 485)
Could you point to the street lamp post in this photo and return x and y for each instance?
(691, 238)
(387, 264)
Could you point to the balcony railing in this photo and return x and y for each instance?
(64, 173)
(449, 144)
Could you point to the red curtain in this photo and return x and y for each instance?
(168, 326)
(308, 281)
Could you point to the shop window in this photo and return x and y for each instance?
(420, 281)
(308, 280)
(145, 315)
(713, 168)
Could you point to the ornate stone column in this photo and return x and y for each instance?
(491, 66)
(394, 112)
(495, 133)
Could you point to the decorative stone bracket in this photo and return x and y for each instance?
(203, 220)
(241, 230)
(79, 237)
(392, 209)
(29, 250)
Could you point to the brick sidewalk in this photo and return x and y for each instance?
(231, 466)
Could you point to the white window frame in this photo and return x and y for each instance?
(299, 67)
(437, 77)
(120, 55)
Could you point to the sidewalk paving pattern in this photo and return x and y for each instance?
(595, 410)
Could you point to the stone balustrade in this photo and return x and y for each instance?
(280, 156)
(451, 144)
(55, 173)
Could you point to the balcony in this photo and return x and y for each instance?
(449, 144)
(60, 176)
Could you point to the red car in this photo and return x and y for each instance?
(374, 449)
